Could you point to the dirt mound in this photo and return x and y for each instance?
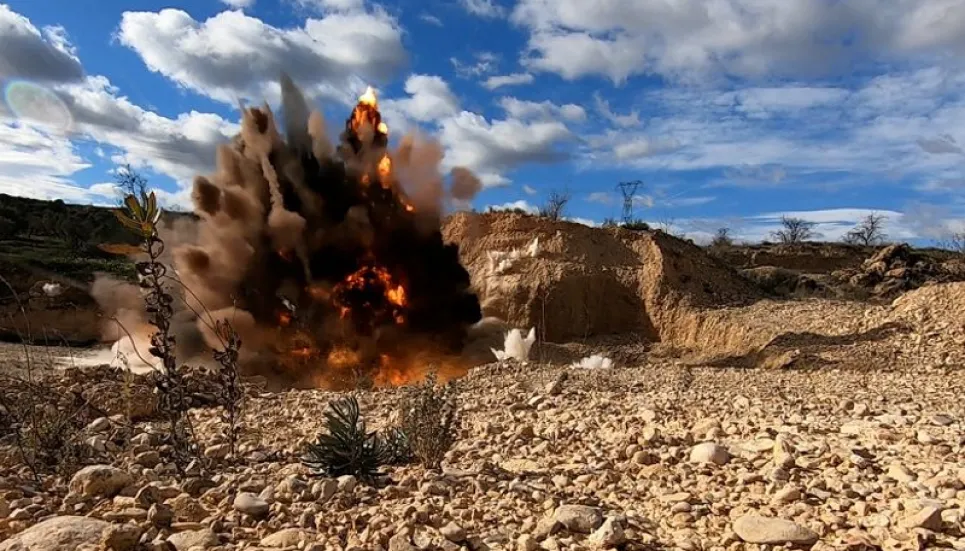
(586, 281)
(783, 282)
(896, 269)
(811, 258)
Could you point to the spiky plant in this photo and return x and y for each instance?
(397, 447)
(346, 447)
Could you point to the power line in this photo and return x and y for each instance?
(629, 191)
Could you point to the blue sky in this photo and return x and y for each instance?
(732, 112)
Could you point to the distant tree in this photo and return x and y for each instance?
(870, 231)
(722, 238)
(954, 242)
(555, 205)
(794, 230)
(609, 223)
(130, 182)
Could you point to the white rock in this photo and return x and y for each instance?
(99, 481)
(251, 505)
(347, 483)
(579, 518)
(65, 533)
(773, 531)
(610, 534)
(289, 537)
(189, 540)
(709, 452)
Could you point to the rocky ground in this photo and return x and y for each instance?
(651, 456)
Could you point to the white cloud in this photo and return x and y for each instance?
(690, 39)
(522, 109)
(431, 19)
(429, 99)
(584, 221)
(629, 120)
(493, 148)
(331, 5)
(39, 165)
(514, 79)
(29, 54)
(483, 8)
(485, 63)
(232, 55)
(529, 190)
(516, 205)
(602, 197)
(239, 4)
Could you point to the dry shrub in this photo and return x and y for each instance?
(44, 424)
(429, 419)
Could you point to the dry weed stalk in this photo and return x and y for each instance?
(429, 419)
(44, 423)
(229, 378)
(142, 218)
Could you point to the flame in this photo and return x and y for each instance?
(396, 296)
(383, 128)
(385, 168)
(284, 319)
(343, 358)
(368, 98)
(359, 290)
(317, 292)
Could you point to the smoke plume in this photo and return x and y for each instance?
(328, 259)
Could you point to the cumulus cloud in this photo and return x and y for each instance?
(238, 4)
(232, 55)
(37, 162)
(514, 79)
(39, 165)
(629, 120)
(429, 99)
(688, 39)
(483, 8)
(522, 109)
(529, 190)
(28, 53)
(491, 148)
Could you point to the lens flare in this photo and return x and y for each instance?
(36, 104)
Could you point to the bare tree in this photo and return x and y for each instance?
(794, 230)
(954, 242)
(870, 231)
(722, 238)
(555, 205)
(130, 182)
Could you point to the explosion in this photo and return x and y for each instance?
(328, 259)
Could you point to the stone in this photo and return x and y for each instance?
(609, 534)
(251, 505)
(347, 483)
(289, 537)
(579, 518)
(772, 531)
(709, 453)
(191, 539)
(101, 424)
(900, 473)
(400, 542)
(149, 459)
(63, 533)
(929, 518)
(453, 532)
(122, 537)
(4, 508)
(788, 494)
(160, 515)
(99, 481)
(217, 451)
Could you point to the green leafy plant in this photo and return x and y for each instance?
(346, 447)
